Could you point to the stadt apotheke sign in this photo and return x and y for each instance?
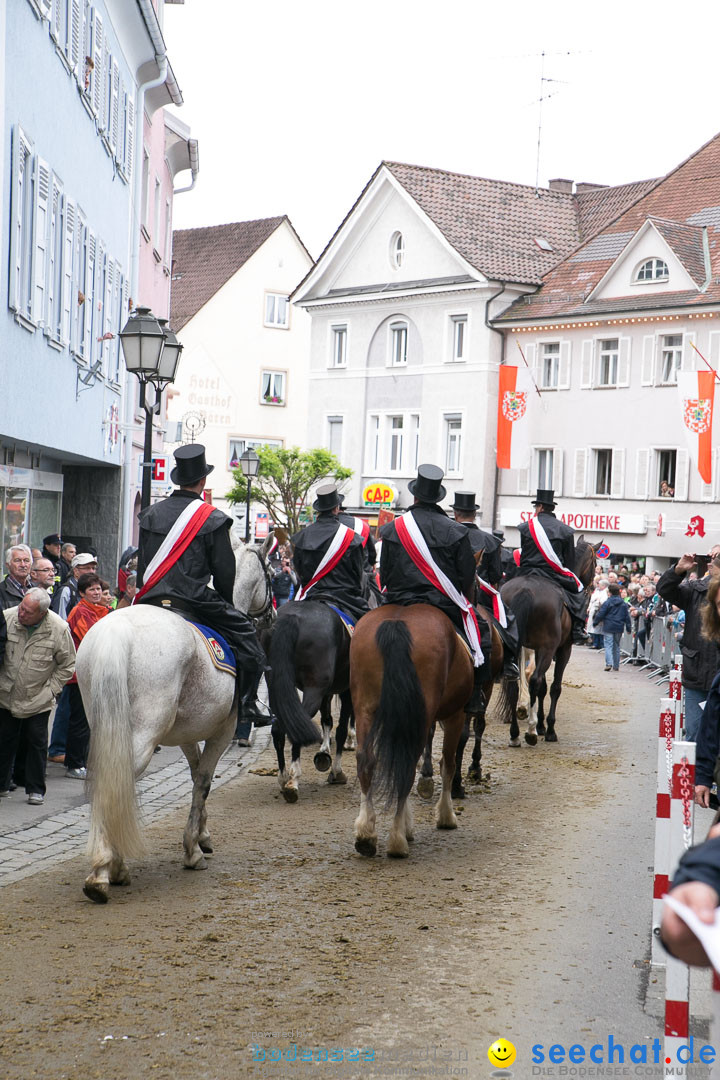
(589, 521)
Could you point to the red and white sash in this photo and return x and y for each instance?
(414, 543)
(179, 538)
(548, 552)
(362, 529)
(341, 541)
(498, 607)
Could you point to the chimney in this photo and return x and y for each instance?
(565, 186)
(580, 189)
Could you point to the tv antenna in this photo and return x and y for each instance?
(545, 94)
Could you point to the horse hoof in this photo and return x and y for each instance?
(198, 864)
(322, 761)
(205, 847)
(337, 778)
(474, 773)
(540, 729)
(366, 846)
(290, 794)
(522, 713)
(531, 738)
(449, 824)
(551, 737)
(457, 791)
(96, 892)
(350, 743)
(514, 742)
(124, 879)
(397, 854)
(426, 787)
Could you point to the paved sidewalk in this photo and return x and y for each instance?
(34, 838)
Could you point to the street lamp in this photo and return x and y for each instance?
(249, 463)
(152, 353)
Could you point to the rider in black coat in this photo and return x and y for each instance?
(343, 585)
(369, 556)
(489, 568)
(450, 547)
(185, 585)
(562, 540)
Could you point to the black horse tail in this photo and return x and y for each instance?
(284, 701)
(397, 736)
(521, 607)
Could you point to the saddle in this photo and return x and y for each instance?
(347, 620)
(220, 653)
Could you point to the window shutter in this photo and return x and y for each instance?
(617, 480)
(129, 136)
(108, 324)
(642, 474)
(114, 115)
(88, 306)
(647, 370)
(707, 491)
(104, 78)
(714, 350)
(564, 368)
(523, 481)
(68, 249)
(558, 470)
(52, 300)
(57, 21)
(690, 358)
(98, 75)
(78, 284)
(20, 160)
(580, 473)
(101, 261)
(41, 209)
(531, 358)
(122, 124)
(682, 474)
(586, 366)
(75, 37)
(624, 351)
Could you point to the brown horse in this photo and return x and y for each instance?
(425, 787)
(545, 627)
(408, 669)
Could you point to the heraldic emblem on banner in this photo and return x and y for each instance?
(697, 414)
(514, 404)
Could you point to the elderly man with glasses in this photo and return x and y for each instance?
(42, 575)
(18, 560)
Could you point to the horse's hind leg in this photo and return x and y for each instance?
(365, 822)
(444, 813)
(401, 831)
(192, 753)
(561, 658)
(194, 857)
(312, 701)
(512, 691)
(425, 785)
(475, 770)
(458, 790)
(336, 775)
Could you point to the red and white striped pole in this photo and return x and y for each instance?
(676, 692)
(668, 731)
(677, 974)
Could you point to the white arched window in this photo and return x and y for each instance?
(652, 270)
(397, 250)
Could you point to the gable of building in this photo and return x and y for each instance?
(662, 256)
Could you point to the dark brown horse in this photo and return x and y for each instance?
(544, 626)
(425, 785)
(408, 668)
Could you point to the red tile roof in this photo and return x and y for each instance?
(205, 259)
(681, 205)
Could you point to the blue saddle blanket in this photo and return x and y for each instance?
(347, 620)
(220, 652)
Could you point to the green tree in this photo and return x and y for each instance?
(284, 479)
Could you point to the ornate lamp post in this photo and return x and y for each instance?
(249, 463)
(152, 353)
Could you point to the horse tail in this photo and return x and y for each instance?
(284, 701)
(114, 818)
(521, 607)
(397, 734)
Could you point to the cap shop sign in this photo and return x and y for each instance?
(590, 521)
(379, 493)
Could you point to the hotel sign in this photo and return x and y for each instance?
(585, 521)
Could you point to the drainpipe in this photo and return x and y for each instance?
(128, 425)
(502, 361)
(194, 167)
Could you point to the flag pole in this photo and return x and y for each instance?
(706, 362)
(537, 388)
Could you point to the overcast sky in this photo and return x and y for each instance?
(295, 104)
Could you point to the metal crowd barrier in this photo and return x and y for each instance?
(657, 655)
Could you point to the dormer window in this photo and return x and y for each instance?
(397, 250)
(652, 270)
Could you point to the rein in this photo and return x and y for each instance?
(263, 614)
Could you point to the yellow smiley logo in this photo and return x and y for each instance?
(502, 1053)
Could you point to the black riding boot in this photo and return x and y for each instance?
(477, 701)
(579, 637)
(510, 669)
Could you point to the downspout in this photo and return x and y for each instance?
(502, 361)
(128, 426)
(194, 167)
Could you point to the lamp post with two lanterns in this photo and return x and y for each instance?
(152, 353)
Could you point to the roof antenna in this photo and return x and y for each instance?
(543, 97)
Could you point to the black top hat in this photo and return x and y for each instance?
(499, 534)
(190, 465)
(427, 487)
(327, 498)
(53, 538)
(465, 502)
(545, 497)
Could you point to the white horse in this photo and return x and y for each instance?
(146, 680)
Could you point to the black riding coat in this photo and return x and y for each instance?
(209, 555)
(701, 658)
(490, 566)
(343, 585)
(532, 561)
(370, 552)
(450, 547)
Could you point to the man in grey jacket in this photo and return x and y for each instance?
(39, 660)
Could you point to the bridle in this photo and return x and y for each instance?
(264, 616)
